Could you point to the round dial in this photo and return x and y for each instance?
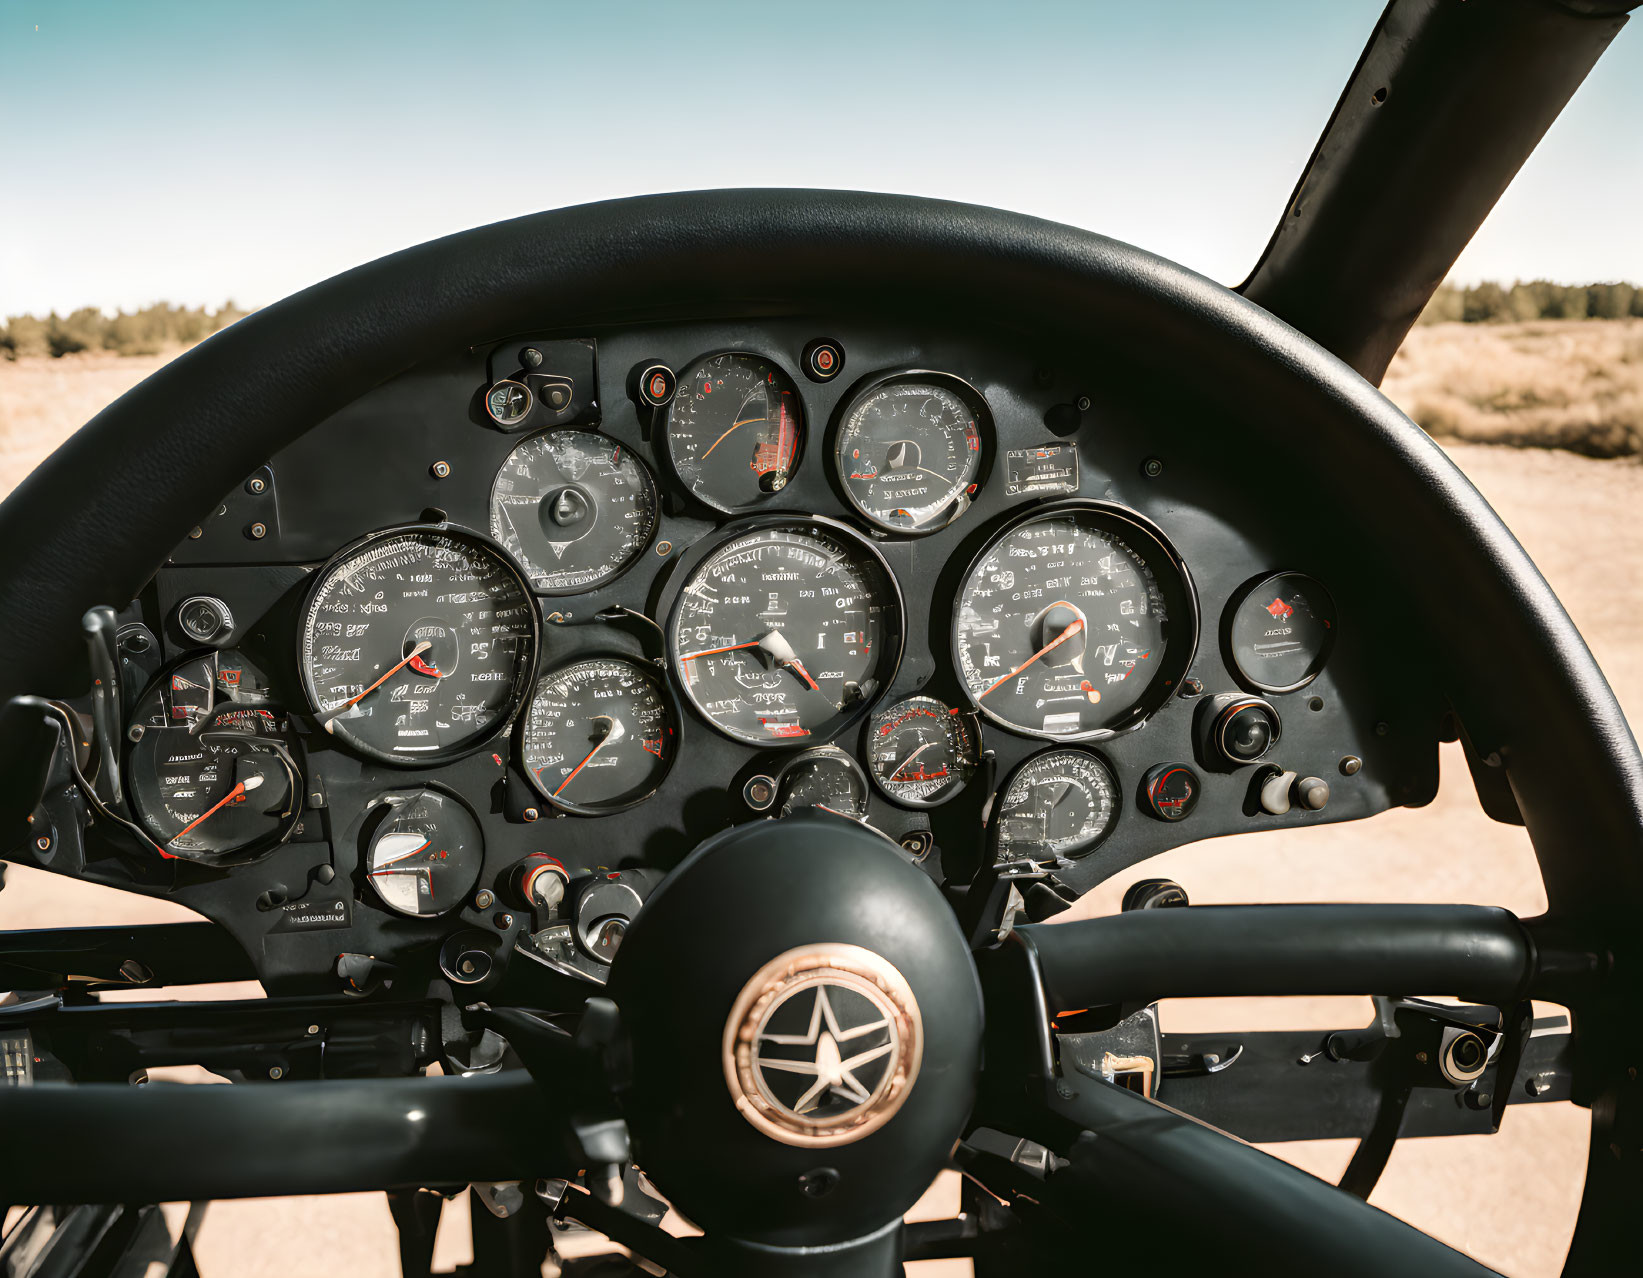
(599, 735)
(786, 632)
(224, 789)
(921, 752)
(1074, 622)
(509, 402)
(824, 778)
(1060, 803)
(426, 855)
(574, 508)
(417, 644)
(908, 450)
(734, 430)
(1280, 632)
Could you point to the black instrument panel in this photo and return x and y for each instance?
(725, 587)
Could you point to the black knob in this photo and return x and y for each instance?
(1245, 730)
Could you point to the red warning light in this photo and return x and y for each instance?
(1280, 610)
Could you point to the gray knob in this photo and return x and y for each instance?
(1312, 793)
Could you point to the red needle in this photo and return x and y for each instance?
(708, 652)
(1055, 643)
(352, 701)
(614, 733)
(238, 792)
(797, 667)
(422, 667)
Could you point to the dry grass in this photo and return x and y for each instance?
(1573, 384)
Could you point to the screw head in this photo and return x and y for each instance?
(257, 531)
(484, 899)
(1421, 1057)
(195, 533)
(275, 1072)
(256, 485)
(664, 548)
(1351, 765)
(1152, 468)
(503, 921)
(1083, 403)
(440, 470)
(43, 843)
(530, 814)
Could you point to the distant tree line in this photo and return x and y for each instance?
(144, 332)
(1491, 303)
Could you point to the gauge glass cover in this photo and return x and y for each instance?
(1280, 632)
(599, 735)
(734, 430)
(425, 857)
(921, 751)
(574, 507)
(786, 633)
(417, 645)
(1057, 804)
(908, 450)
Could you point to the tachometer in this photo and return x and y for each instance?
(786, 631)
(574, 508)
(909, 448)
(1074, 622)
(734, 430)
(599, 735)
(921, 752)
(417, 644)
(1061, 803)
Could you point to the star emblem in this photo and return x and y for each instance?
(831, 1076)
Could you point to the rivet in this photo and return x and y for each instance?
(43, 843)
(664, 548)
(484, 899)
(257, 531)
(195, 533)
(275, 1072)
(1152, 468)
(1351, 765)
(440, 470)
(530, 814)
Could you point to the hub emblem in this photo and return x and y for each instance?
(823, 1045)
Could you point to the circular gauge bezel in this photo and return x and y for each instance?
(1240, 597)
(525, 680)
(971, 397)
(658, 679)
(666, 412)
(1174, 581)
(384, 810)
(1101, 761)
(828, 755)
(639, 551)
(689, 564)
(972, 723)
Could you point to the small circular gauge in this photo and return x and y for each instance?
(909, 448)
(922, 752)
(574, 507)
(825, 778)
(1279, 632)
(417, 644)
(1170, 791)
(1075, 622)
(599, 735)
(786, 631)
(426, 855)
(509, 402)
(734, 430)
(1061, 803)
(222, 790)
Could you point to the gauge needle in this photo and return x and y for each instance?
(403, 856)
(775, 643)
(329, 722)
(746, 421)
(241, 788)
(612, 734)
(903, 764)
(1055, 643)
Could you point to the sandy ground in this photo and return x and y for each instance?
(1509, 1200)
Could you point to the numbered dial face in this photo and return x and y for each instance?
(908, 451)
(734, 432)
(418, 644)
(786, 633)
(921, 752)
(1065, 622)
(827, 778)
(574, 507)
(425, 856)
(1280, 632)
(223, 790)
(1061, 803)
(599, 735)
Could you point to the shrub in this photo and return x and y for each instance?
(142, 332)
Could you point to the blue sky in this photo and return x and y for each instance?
(193, 151)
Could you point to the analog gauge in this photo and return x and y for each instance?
(221, 790)
(1280, 631)
(825, 778)
(734, 430)
(418, 644)
(509, 402)
(921, 752)
(909, 449)
(786, 631)
(1075, 621)
(426, 855)
(1061, 803)
(599, 735)
(574, 507)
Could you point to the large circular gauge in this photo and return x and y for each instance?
(921, 752)
(222, 790)
(786, 631)
(599, 735)
(574, 508)
(909, 448)
(734, 430)
(1280, 631)
(1074, 622)
(1061, 803)
(417, 644)
(426, 855)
